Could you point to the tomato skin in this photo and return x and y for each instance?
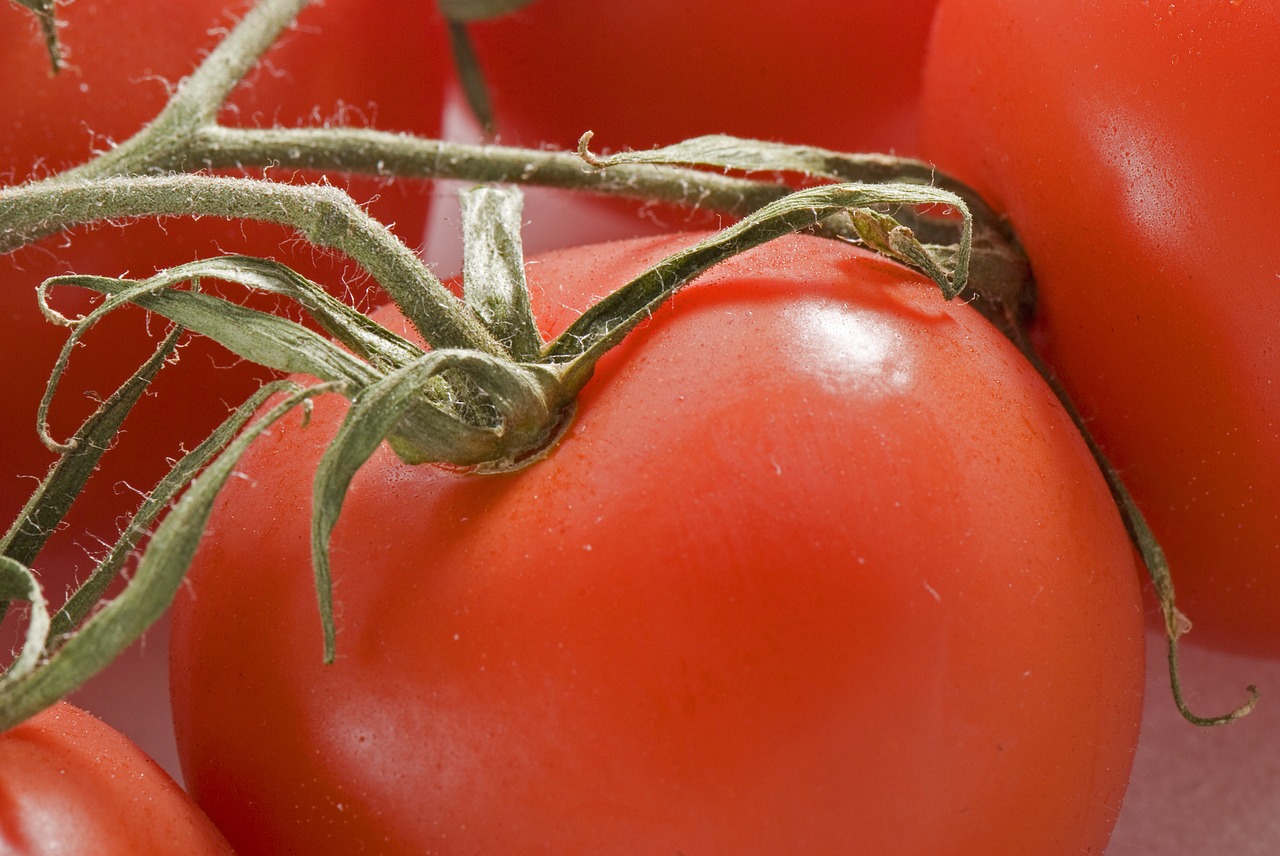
(671, 70)
(766, 596)
(1136, 149)
(123, 56)
(73, 785)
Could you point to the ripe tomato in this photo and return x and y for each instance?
(836, 74)
(375, 63)
(1136, 149)
(654, 73)
(71, 784)
(820, 560)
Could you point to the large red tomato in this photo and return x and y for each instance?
(379, 63)
(820, 564)
(1136, 148)
(70, 784)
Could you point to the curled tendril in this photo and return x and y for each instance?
(18, 583)
(80, 326)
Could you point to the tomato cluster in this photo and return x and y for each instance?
(816, 559)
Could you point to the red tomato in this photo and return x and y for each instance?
(71, 784)
(1136, 148)
(378, 63)
(837, 74)
(819, 561)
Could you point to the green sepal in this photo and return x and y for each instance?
(606, 323)
(52, 499)
(120, 621)
(493, 278)
(265, 339)
(747, 155)
(355, 330)
(395, 404)
(92, 590)
(883, 232)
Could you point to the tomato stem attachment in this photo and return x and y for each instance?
(467, 407)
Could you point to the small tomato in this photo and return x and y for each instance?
(71, 784)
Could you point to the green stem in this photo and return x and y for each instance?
(324, 215)
(166, 140)
(493, 280)
(471, 76)
(185, 136)
(383, 153)
(466, 11)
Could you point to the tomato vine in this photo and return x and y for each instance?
(490, 393)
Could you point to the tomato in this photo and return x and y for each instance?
(375, 63)
(836, 74)
(819, 563)
(1136, 149)
(71, 784)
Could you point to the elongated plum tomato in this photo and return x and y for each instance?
(71, 784)
(1136, 149)
(820, 563)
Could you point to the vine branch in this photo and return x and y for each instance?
(145, 176)
(324, 215)
(198, 98)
